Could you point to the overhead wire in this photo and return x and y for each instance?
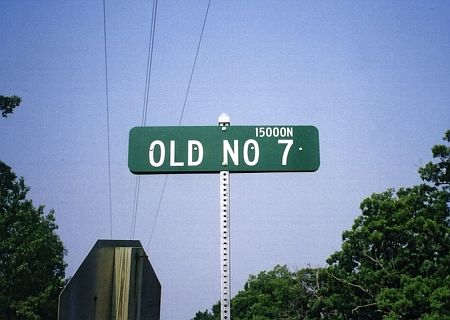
(107, 121)
(144, 110)
(194, 64)
(181, 119)
(157, 210)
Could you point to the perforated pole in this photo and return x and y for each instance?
(225, 290)
(225, 262)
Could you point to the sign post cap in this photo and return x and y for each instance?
(224, 119)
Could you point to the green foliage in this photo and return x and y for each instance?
(206, 315)
(270, 295)
(203, 315)
(8, 104)
(438, 173)
(394, 263)
(275, 294)
(31, 254)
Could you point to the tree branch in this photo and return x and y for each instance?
(364, 306)
(376, 261)
(350, 284)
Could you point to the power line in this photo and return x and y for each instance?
(157, 210)
(144, 110)
(107, 120)
(149, 61)
(137, 185)
(195, 62)
(181, 117)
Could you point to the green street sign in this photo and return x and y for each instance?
(207, 149)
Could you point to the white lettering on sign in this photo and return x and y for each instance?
(195, 145)
(162, 153)
(255, 148)
(276, 132)
(194, 156)
(173, 162)
(288, 144)
(232, 152)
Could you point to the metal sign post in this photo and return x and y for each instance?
(225, 261)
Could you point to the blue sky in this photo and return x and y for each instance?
(372, 76)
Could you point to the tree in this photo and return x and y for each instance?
(31, 254)
(438, 173)
(274, 294)
(206, 315)
(8, 104)
(395, 261)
